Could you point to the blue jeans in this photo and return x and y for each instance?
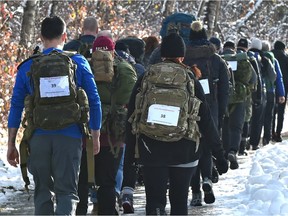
(119, 176)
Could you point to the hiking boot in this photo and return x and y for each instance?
(94, 211)
(255, 148)
(247, 147)
(208, 192)
(127, 203)
(276, 137)
(196, 199)
(265, 141)
(242, 153)
(157, 211)
(119, 201)
(233, 160)
(215, 175)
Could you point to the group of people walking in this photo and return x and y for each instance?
(183, 109)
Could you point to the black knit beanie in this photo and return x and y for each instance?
(279, 45)
(229, 44)
(197, 31)
(173, 46)
(243, 42)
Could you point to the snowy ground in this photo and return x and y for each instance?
(258, 187)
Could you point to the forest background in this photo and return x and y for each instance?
(227, 19)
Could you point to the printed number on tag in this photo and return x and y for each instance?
(163, 114)
(54, 86)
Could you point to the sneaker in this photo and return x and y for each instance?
(233, 160)
(196, 199)
(208, 192)
(215, 174)
(127, 203)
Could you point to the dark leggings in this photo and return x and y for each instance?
(106, 166)
(277, 124)
(155, 181)
(204, 169)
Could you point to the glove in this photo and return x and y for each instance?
(222, 165)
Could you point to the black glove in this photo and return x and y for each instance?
(222, 165)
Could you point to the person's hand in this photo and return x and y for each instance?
(281, 99)
(222, 165)
(12, 156)
(96, 141)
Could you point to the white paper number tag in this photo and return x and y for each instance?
(163, 114)
(233, 65)
(54, 86)
(205, 85)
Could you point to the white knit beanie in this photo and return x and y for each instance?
(256, 43)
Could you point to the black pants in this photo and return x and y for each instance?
(155, 181)
(204, 168)
(83, 187)
(106, 166)
(257, 123)
(279, 111)
(269, 110)
(232, 127)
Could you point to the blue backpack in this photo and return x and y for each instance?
(178, 22)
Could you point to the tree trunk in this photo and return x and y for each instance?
(168, 8)
(27, 28)
(54, 8)
(210, 15)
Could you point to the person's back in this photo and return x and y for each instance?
(53, 89)
(282, 57)
(115, 79)
(271, 94)
(242, 72)
(268, 75)
(215, 74)
(215, 83)
(163, 157)
(83, 46)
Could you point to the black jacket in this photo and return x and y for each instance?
(205, 56)
(283, 62)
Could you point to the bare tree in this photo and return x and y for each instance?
(54, 8)
(209, 10)
(27, 29)
(168, 7)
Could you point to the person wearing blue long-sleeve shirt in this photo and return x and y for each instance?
(55, 155)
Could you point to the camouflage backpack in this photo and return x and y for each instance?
(166, 108)
(115, 79)
(56, 102)
(102, 64)
(242, 72)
